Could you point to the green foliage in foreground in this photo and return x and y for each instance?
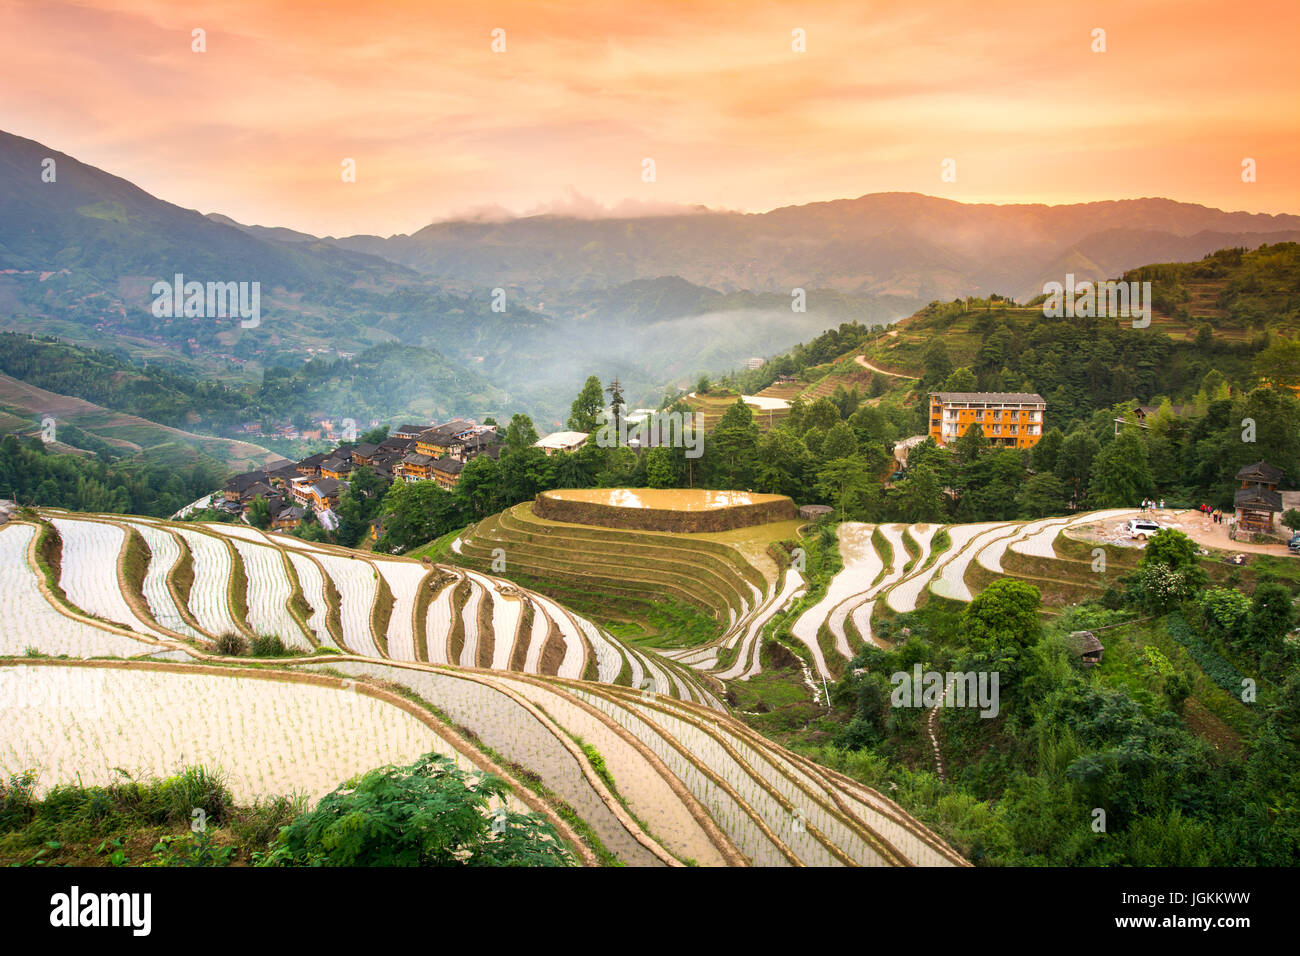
(427, 814)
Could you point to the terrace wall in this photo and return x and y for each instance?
(661, 519)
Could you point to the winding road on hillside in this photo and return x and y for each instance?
(862, 360)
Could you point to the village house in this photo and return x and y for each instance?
(446, 471)
(1086, 647)
(1258, 499)
(287, 518)
(1142, 414)
(486, 442)
(441, 440)
(561, 441)
(336, 468)
(363, 454)
(417, 467)
(311, 464)
(1009, 419)
(410, 432)
(324, 493)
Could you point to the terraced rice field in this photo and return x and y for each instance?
(30, 621)
(903, 581)
(636, 742)
(89, 571)
(203, 581)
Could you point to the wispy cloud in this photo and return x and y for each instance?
(438, 124)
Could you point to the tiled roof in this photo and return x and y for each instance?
(1004, 398)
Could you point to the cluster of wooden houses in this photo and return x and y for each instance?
(412, 453)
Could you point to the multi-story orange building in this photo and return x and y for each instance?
(1009, 419)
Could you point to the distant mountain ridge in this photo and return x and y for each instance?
(904, 244)
(527, 308)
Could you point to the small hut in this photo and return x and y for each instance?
(1086, 647)
(813, 512)
(1258, 499)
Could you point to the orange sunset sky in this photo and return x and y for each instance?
(440, 125)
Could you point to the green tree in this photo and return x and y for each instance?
(961, 380)
(659, 470)
(843, 481)
(919, 496)
(1001, 625)
(1044, 455)
(938, 366)
(427, 814)
(823, 414)
(584, 413)
(1042, 495)
(733, 448)
(478, 490)
(782, 465)
(1121, 476)
(520, 434)
(971, 444)
(616, 404)
(1272, 615)
(840, 442)
(259, 513)
(1074, 464)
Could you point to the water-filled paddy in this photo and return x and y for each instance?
(663, 499)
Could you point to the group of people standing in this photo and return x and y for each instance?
(1151, 505)
(1214, 514)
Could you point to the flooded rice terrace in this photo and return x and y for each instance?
(663, 499)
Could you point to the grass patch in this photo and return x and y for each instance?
(381, 612)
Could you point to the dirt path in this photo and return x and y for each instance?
(862, 360)
(1200, 528)
(929, 728)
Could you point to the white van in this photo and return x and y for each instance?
(1141, 528)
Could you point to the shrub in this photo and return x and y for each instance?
(427, 814)
(1224, 612)
(268, 645)
(17, 805)
(230, 645)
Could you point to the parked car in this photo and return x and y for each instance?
(1294, 543)
(1140, 528)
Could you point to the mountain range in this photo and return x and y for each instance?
(652, 300)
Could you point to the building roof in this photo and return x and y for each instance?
(314, 461)
(448, 434)
(999, 398)
(1085, 642)
(448, 466)
(414, 459)
(408, 430)
(336, 464)
(365, 450)
(561, 440)
(291, 513)
(482, 441)
(393, 443)
(326, 487)
(812, 511)
(1260, 471)
(1257, 499)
